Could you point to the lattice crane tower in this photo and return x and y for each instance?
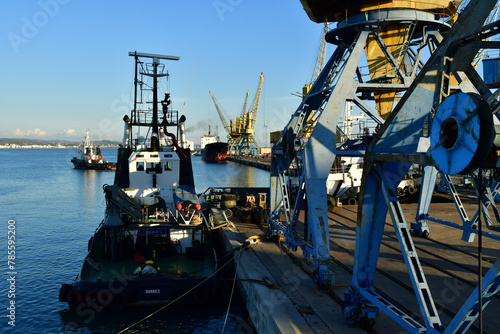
(379, 52)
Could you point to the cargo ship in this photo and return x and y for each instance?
(215, 153)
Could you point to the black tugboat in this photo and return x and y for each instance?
(90, 157)
(154, 244)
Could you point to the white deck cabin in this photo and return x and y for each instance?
(153, 174)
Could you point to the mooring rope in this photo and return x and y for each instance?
(234, 284)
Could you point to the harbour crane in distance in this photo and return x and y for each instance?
(232, 134)
(319, 64)
(245, 125)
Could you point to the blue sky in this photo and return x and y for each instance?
(65, 64)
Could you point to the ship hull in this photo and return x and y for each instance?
(84, 164)
(183, 272)
(215, 153)
(149, 291)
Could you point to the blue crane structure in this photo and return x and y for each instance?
(446, 121)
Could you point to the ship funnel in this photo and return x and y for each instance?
(182, 132)
(126, 131)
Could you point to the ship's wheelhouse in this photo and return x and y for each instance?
(153, 174)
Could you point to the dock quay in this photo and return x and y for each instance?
(262, 163)
(281, 296)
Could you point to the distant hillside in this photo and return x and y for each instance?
(28, 141)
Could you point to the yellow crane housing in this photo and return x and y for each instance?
(241, 134)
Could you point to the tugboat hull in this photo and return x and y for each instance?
(179, 269)
(121, 293)
(84, 164)
(154, 244)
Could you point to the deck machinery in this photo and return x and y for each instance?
(444, 119)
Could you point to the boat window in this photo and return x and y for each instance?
(140, 166)
(153, 167)
(167, 165)
(167, 155)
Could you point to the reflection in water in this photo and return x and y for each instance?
(89, 182)
(246, 176)
(229, 174)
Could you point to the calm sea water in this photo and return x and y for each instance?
(56, 209)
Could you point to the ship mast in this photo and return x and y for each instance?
(155, 143)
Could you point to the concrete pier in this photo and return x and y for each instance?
(281, 296)
(262, 163)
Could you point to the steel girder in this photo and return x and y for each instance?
(308, 140)
(387, 161)
(246, 143)
(469, 227)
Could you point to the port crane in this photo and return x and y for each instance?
(437, 102)
(245, 125)
(241, 134)
(232, 134)
(320, 62)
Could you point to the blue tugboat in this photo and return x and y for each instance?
(154, 244)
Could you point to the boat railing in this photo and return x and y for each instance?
(145, 118)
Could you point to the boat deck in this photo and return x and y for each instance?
(172, 266)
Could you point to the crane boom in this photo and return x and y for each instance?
(252, 113)
(320, 62)
(244, 109)
(222, 118)
(320, 59)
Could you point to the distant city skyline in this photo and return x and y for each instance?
(66, 67)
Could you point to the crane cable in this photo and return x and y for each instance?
(189, 85)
